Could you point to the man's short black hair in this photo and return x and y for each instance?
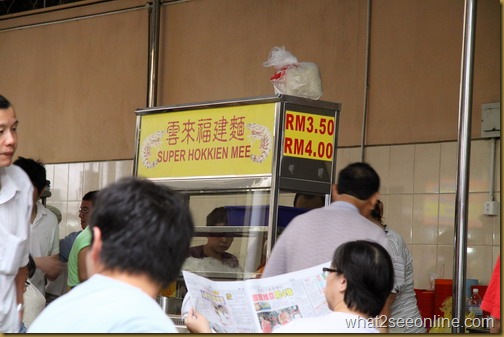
(4, 103)
(368, 270)
(217, 216)
(146, 229)
(308, 196)
(35, 171)
(359, 180)
(90, 196)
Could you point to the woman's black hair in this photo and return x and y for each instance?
(368, 270)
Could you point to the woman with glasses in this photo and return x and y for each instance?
(359, 281)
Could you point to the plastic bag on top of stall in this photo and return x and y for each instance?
(293, 77)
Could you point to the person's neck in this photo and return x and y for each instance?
(342, 307)
(360, 204)
(211, 253)
(140, 281)
(377, 223)
(34, 212)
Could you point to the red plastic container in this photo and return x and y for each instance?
(425, 302)
(443, 289)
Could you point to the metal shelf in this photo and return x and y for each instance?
(233, 231)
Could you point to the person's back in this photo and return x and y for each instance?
(310, 238)
(66, 245)
(405, 304)
(140, 235)
(82, 241)
(103, 305)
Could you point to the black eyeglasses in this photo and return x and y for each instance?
(330, 270)
(83, 210)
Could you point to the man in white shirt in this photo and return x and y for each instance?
(15, 208)
(44, 229)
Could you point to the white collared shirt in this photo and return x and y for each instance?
(44, 241)
(16, 199)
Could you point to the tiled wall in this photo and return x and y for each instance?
(69, 183)
(418, 190)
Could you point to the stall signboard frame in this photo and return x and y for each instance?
(268, 143)
(214, 141)
(239, 143)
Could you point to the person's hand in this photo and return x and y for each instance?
(50, 266)
(197, 323)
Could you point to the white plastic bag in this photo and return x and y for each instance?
(293, 77)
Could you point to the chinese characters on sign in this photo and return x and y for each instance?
(217, 141)
(202, 131)
(228, 141)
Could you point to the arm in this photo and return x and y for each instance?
(83, 274)
(276, 264)
(197, 323)
(20, 280)
(50, 266)
(495, 327)
(385, 314)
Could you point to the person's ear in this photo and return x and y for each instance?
(97, 241)
(93, 256)
(334, 192)
(341, 283)
(373, 200)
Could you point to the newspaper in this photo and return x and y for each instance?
(258, 305)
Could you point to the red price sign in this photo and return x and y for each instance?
(309, 136)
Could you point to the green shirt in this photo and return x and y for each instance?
(81, 241)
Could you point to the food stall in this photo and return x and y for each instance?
(249, 156)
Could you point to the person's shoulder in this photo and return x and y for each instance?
(83, 237)
(71, 237)
(230, 259)
(396, 239)
(196, 251)
(17, 175)
(302, 220)
(14, 170)
(49, 217)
